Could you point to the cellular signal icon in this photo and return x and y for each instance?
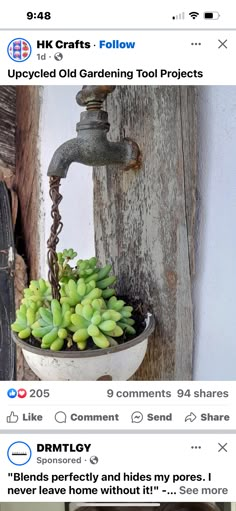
(179, 16)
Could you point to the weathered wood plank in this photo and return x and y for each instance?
(7, 133)
(144, 221)
(7, 174)
(7, 168)
(28, 188)
(7, 126)
(188, 111)
(27, 177)
(7, 302)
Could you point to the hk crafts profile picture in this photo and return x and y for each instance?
(19, 49)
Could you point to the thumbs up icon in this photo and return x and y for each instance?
(12, 418)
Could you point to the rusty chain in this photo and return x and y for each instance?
(56, 197)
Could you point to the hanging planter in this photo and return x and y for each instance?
(74, 327)
(115, 363)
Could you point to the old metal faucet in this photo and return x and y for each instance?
(91, 146)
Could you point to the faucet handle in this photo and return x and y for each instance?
(92, 96)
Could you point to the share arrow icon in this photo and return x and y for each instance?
(191, 417)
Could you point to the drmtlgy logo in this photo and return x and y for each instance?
(19, 49)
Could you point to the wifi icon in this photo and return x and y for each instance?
(194, 14)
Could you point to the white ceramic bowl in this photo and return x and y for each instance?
(118, 363)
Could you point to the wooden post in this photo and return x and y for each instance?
(7, 302)
(7, 259)
(144, 220)
(27, 185)
(7, 133)
(27, 176)
(19, 118)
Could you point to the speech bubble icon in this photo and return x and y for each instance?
(60, 417)
(136, 417)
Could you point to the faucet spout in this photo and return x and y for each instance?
(64, 155)
(91, 147)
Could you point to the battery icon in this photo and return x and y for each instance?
(213, 15)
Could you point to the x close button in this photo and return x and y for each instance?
(222, 447)
(222, 44)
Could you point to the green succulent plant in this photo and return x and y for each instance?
(88, 308)
(37, 294)
(101, 321)
(52, 325)
(25, 317)
(90, 272)
(67, 255)
(66, 272)
(125, 322)
(87, 266)
(94, 320)
(75, 292)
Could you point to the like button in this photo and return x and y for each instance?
(12, 418)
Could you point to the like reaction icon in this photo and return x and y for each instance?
(12, 393)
